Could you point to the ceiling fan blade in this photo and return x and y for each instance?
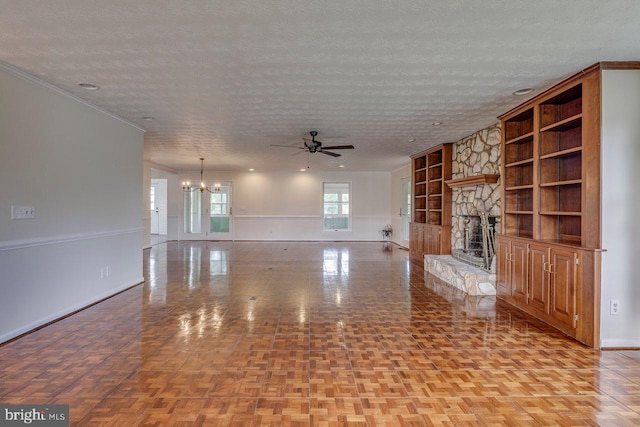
(330, 153)
(339, 147)
(288, 146)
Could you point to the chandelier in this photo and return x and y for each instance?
(186, 185)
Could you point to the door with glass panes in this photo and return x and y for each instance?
(208, 215)
(219, 212)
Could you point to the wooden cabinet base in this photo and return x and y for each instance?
(546, 319)
(558, 284)
(429, 240)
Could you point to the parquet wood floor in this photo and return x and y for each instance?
(321, 334)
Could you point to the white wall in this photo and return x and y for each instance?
(81, 168)
(288, 206)
(620, 207)
(396, 202)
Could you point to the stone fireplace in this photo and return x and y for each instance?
(475, 195)
(475, 156)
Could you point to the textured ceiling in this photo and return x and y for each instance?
(225, 79)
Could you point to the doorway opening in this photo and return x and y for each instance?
(158, 208)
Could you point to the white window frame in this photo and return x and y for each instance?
(341, 203)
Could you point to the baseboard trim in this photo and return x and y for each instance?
(616, 344)
(56, 317)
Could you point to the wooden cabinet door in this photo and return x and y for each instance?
(519, 270)
(416, 243)
(420, 242)
(432, 240)
(539, 278)
(503, 266)
(435, 241)
(426, 240)
(563, 285)
(412, 241)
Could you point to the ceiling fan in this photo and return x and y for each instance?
(313, 146)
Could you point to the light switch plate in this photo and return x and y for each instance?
(22, 212)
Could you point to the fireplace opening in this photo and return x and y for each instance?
(479, 241)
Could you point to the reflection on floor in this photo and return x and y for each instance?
(156, 239)
(257, 333)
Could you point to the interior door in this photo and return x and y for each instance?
(159, 206)
(220, 212)
(155, 209)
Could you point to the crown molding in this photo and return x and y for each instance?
(17, 72)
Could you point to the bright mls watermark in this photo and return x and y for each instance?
(35, 415)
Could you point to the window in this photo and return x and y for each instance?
(152, 197)
(219, 209)
(336, 206)
(220, 202)
(192, 212)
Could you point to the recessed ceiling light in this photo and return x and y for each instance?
(341, 166)
(302, 170)
(148, 118)
(89, 86)
(251, 170)
(436, 123)
(525, 91)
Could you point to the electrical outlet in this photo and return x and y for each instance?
(614, 306)
(22, 212)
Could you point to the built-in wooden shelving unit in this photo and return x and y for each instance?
(548, 254)
(431, 216)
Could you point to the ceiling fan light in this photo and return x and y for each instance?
(521, 92)
(88, 86)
